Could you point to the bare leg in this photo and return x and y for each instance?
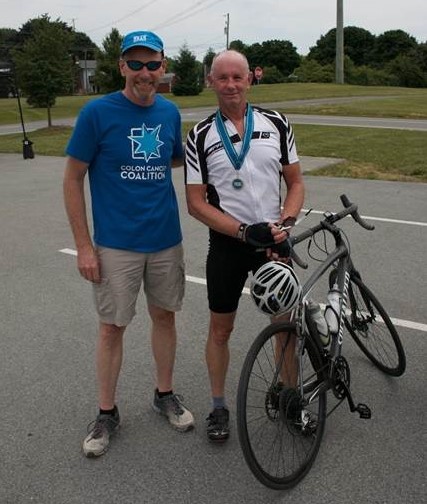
(163, 342)
(109, 362)
(217, 351)
(286, 342)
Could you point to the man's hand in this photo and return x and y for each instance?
(280, 251)
(264, 234)
(259, 235)
(88, 264)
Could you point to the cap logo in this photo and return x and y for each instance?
(140, 38)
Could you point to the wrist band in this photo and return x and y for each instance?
(241, 232)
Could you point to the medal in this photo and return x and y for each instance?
(237, 183)
(235, 159)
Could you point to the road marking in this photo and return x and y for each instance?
(379, 219)
(202, 281)
(69, 251)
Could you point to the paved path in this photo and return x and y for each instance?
(196, 114)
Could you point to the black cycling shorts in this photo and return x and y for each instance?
(227, 267)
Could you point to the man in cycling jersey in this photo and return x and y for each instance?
(235, 162)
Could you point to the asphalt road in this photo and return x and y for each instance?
(48, 392)
(197, 114)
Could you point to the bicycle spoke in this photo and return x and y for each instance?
(278, 445)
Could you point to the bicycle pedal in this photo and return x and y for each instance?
(364, 411)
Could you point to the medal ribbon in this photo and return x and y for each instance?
(236, 160)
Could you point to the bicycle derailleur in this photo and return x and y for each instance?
(341, 387)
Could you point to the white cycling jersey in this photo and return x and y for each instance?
(272, 148)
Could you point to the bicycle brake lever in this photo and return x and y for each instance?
(303, 217)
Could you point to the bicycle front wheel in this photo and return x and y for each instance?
(373, 331)
(281, 406)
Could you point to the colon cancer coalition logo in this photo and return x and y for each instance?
(146, 145)
(145, 142)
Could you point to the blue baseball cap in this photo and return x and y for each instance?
(142, 39)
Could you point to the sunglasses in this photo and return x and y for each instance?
(136, 65)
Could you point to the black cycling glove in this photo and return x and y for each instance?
(259, 235)
(283, 249)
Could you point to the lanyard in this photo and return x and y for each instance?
(236, 160)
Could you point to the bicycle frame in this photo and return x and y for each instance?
(341, 257)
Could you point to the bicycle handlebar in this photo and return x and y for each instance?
(355, 214)
(327, 223)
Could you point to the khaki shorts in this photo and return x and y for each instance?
(122, 274)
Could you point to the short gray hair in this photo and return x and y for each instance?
(229, 52)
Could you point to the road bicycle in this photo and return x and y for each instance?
(288, 372)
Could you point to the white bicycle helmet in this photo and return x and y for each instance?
(275, 288)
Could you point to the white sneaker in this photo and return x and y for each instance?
(97, 441)
(171, 406)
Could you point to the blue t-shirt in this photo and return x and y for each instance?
(129, 150)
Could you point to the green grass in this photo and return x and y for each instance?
(405, 107)
(368, 152)
(66, 106)
(402, 102)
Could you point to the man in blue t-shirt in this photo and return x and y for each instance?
(127, 142)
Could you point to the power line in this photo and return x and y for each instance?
(185, 14)
(111, 23)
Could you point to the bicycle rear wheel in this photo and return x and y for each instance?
(281, 406)
(373, 331)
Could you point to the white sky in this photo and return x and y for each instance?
(201, 23)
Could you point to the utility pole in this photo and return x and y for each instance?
(227, 29)
(339, 55)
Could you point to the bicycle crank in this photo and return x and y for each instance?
(341, 388)
(341, 378)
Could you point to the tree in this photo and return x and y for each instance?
(43, 64)
(311, 70)
(358, 45)
(407, 72)
(390, 45)
(271, 75)
(281, 54)
(421, 56)
(6, 76)
(238, 45)
(107, 76)
(187, 74)
(271, 53)
(7, 37)
(325, 49)
(207, 60)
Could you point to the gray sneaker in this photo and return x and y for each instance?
(99, 432)
(171, 406)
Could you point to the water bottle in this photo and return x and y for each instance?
(332, 310)
(318, 318)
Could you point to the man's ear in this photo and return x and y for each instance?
(122, 65)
